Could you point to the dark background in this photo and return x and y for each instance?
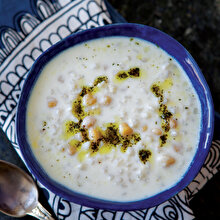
(196, 25)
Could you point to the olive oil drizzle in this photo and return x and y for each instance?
(144, 155)
(110, 135)
(164, 113)
(78, 110)
(131, 73)
(111, 138)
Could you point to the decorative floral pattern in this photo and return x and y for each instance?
(20, 46)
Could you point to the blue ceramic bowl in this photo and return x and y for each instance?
(174, 49)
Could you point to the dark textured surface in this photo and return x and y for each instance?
(196, 25)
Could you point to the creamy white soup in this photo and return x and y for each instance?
(114, 118)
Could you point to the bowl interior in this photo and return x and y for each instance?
(174, 49)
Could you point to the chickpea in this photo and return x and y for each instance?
(125, 130)
(173, 123)
(72, 149)
(157, 131)
(89, 99)
(107, 100)
(176, 148)
(94, 134)
(88, 121)
(112, 89)
(170, 161)
(52, 103)
(144, 128)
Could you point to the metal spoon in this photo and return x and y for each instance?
(19, 194)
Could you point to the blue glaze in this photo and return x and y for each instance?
(174, 49)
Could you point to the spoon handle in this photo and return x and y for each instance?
(41, 213)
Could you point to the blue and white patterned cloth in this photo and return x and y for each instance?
(29, 27)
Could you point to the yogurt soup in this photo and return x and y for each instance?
(114, 118)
